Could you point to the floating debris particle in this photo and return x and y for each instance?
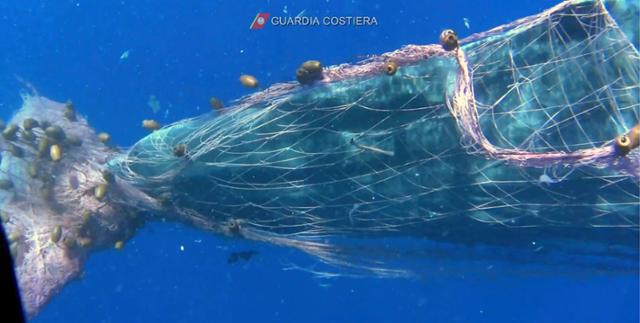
(86, 216)
(546, 179)
(309, 72)
(69, 111)
(29, 123)
(233, 227)
(55, 132)
(56, 234)
(104, 137)
(249, 81)
(119, 245)
(372, 149)
(43, 146)
(55, 152)
(627, 142)
(449, 40)
(180, 150)
(312, 66)
(154, 104)
(216, 104)
(100, 191)
(150, 125)
(301, 13)
(125, 54)
(390, 67)
(9, 132)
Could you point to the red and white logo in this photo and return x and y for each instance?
(259, 21)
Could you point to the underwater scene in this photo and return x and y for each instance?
(322, 161)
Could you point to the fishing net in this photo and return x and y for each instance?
(518, 145)
(506, 141)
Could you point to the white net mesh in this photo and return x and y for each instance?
(525, 150)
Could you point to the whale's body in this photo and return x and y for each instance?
(366, 154)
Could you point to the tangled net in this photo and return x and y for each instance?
(507, 140)
(520, 144)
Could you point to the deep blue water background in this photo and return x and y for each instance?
(183, 52)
